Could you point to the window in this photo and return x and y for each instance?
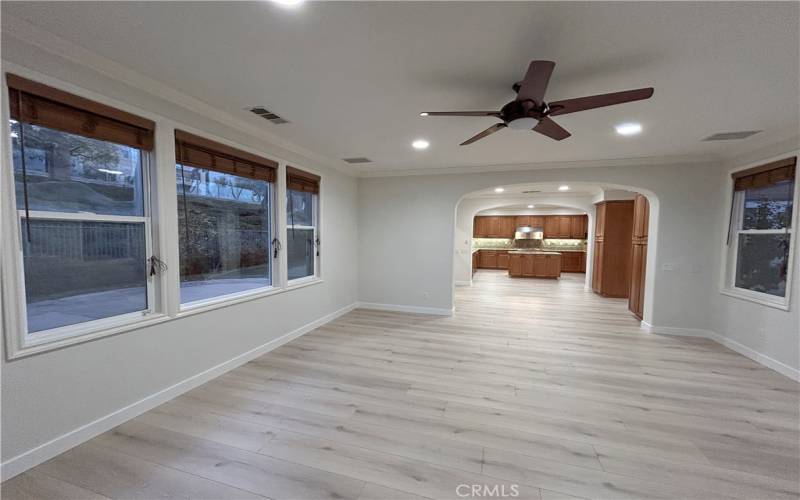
(82, 205)
(225, 219)
(302, 239)
(761, 231)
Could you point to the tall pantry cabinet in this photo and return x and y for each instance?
(641, 216)
(611, 271)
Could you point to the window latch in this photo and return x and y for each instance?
(276, 246)
(157, 266)
(316, 244)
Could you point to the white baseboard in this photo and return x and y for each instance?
(54, 447)
(407, 309)
(464, 283)
(771, 363)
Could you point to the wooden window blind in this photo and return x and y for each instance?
(195, 151)
(38, 104)
(765, 175)
(300, 180)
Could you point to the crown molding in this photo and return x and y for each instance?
(33, 35)
(514, 167)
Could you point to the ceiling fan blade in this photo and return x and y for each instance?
(491, 130)
(460, 113)
(535, 82)
(598, 101)
(551, 129)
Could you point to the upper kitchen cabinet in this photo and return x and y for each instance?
(566, 226)
(579, 228)
(494, 226)
(530, 220)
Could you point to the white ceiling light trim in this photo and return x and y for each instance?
(563, 188)
(499, 190)
(288, 3)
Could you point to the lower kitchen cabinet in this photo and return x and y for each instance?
(502, 260)
(573, 262)
(492, 259)
(534, 265)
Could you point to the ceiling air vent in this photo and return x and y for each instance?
(731, 136)
(531, 192)
(268, 115)
(358, 159)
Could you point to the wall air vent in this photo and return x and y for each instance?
(731, 136)
(358, 159)
(268, 115)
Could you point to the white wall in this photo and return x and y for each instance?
(412, 220)
(772, 333)
(47, 395)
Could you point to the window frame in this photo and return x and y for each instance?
(730, 244)
(315, 219)
(162, 238)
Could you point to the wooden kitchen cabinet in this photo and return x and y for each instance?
(487, 259)
(612, 248)
(573, 262)
(534, 265)
(494, 226)
(502, 259)
(579, 227)
(641, 216)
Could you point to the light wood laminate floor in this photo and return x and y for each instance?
(534, 386)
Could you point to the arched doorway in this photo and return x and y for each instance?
(545, 199)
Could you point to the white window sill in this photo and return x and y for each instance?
(301, 282)
(757, 298)
(45, 341)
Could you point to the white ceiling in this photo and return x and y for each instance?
(352, 77)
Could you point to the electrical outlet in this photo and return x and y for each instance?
(669, 266)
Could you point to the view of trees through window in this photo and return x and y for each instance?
(301, 234)
(763, 242)
(80, 261)
(224, 235)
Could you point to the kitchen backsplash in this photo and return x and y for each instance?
(492, 243)
(557, 244)
(506, 243)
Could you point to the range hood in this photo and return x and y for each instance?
(529, 233)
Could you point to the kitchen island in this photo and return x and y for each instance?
(534, 264)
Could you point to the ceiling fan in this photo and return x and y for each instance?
(529, 111)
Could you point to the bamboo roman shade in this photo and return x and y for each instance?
(195, 151)
(38, 104)
(765, 175)
(300, 180)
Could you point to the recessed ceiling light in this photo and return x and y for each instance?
(420, 144)
(629, 128)
(563, 188)
(530, 206)
(288, 3)
(423, 114)
(498, 190)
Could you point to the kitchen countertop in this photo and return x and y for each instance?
(533, 252)
(526, 250)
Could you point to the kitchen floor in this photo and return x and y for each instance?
(534, 388)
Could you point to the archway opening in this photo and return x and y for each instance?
(591, 242)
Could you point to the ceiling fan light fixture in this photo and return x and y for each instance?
(629, 128)
(525, 123)
(420, 144)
